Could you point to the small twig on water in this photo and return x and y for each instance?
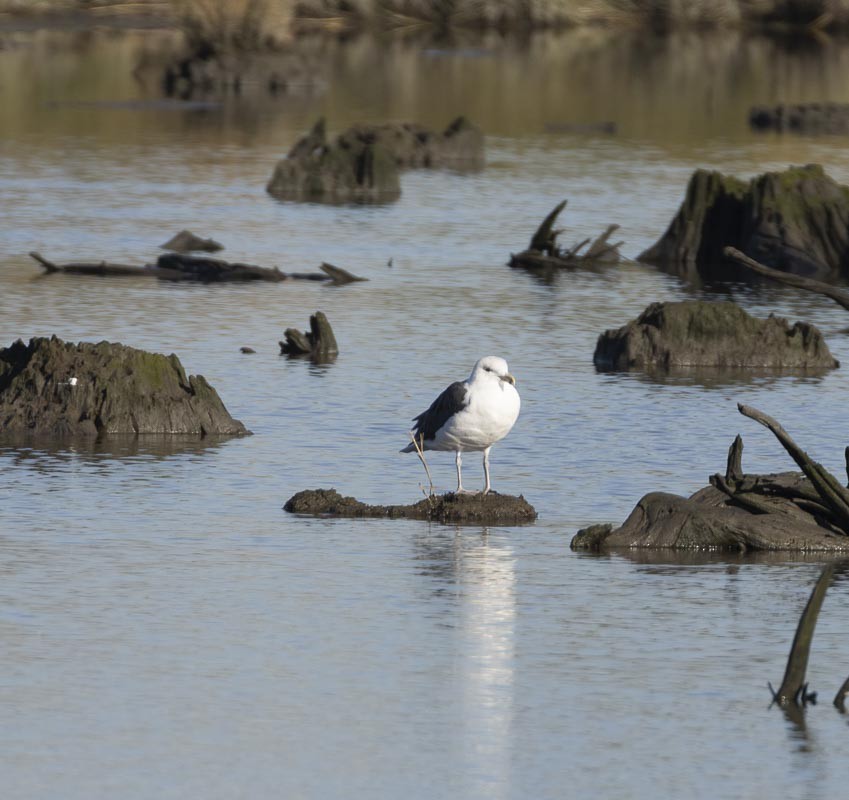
(419, 445)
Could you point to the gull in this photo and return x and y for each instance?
(470, 415)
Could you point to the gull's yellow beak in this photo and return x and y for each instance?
(509, 378)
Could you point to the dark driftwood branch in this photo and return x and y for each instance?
(600, 246)
(338, 275)
(846, 456)
(544, 239)
(840, 697)
(840, 296)
(89, 268)
(180, 267)
(734, 467)
(834, 496)
(793, 689)
(544, 254)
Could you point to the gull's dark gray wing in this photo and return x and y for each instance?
(455, 398)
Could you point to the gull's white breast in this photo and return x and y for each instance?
(492, 411)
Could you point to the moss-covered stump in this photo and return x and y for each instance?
(796, 221)
(694, 333)
(472, 509)
(352, 168)
(363, 163)
(56, 388)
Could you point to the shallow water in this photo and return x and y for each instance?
(169, 631)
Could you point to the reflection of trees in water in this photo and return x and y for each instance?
(679, 88)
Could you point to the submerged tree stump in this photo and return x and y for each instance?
(471, 509)
(363, 163)
(796, 221)
(55, 388)
(318, 343)
(545, 255)
(694, 333)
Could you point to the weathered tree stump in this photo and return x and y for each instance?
(545, 255)
(318, 343)
(694, 333)
(363, 163)
(55, 388)
(796, 221)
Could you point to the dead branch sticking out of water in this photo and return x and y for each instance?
(793, 689)
(833, 497)
(840, 296)
(544, 254)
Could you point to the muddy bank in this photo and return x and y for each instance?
(56, 388)
(796, 221)
(693, 333)
(471, 509)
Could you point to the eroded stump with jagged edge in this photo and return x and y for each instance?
(796, 221)
(318, 342)
(55, 388)
(694, 333)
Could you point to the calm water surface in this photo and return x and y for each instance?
(168, 631)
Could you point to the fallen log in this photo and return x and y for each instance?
(840, 296)
(90, 268)
(544, 254)
(180, 267)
